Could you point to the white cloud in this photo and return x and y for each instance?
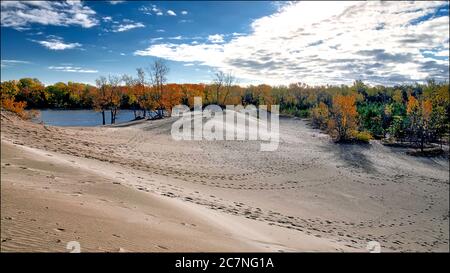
(72, 69)
(107, 19)
(145, 10)
(8, 63)
(208, 54)
(57, 43)
(115, 2)
(160, 30)
(126, 27)
(15, 61)
(216, 38)
(35, 33)
(153, 9)
(183, 12)
(20, 15)
(171, 13)
(329, 42)
(152, 40)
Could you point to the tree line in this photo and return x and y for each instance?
(412, 113)
(417, 114)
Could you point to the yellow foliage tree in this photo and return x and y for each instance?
(419, 114)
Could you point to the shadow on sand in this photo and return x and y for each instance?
(355, 155)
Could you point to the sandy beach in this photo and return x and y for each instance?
(133, 188)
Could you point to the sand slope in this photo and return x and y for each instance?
(134, 188)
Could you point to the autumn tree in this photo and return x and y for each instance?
(228, 81)
(218, 81)
(320, 115)
(190, 91)
(147, 96)
(100, 96)
(114, 96)
(235, 96)
(58, 95)
(343, 122)
(32, 91)
(439, 95)
(141, 92)
(75, 93)
(128, 90)
(419, 115)
(222, 84)
(158, 71)
(9, 90)
(171, 96)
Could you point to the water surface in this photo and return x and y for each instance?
(80, 117)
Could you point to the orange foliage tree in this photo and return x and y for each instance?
(343, 122)
(9, 90)
(190, 91)
(171, 96)
(158, 71)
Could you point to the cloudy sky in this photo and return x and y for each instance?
(259, 42)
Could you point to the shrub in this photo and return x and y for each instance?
(363, 136)
(320, 115)
(17, 107)
(304, 113)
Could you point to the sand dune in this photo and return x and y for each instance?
(132, 188)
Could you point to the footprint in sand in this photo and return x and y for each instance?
(187, 224)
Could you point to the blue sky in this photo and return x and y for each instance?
(257, 41)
